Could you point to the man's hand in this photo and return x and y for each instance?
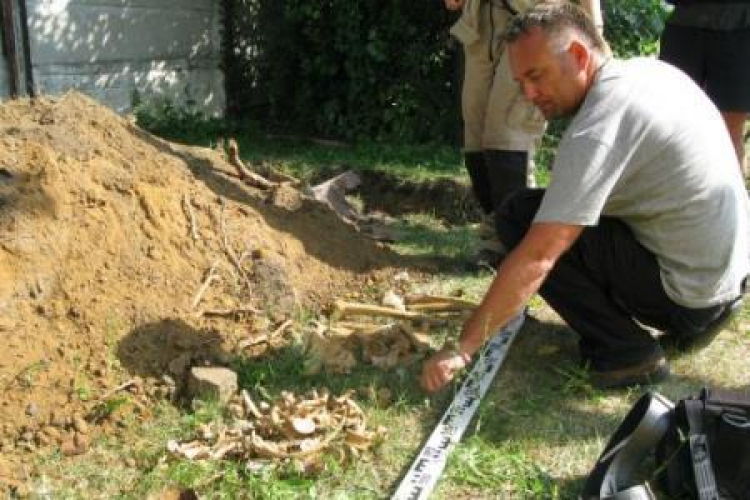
(454, 4)
(441, 368)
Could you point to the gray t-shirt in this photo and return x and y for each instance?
(649, 148)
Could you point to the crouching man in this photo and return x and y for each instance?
(645, 220)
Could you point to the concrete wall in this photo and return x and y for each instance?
(110, 48)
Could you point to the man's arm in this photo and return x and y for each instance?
(519, 276)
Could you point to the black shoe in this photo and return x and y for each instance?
(690, 343)
(651, 371)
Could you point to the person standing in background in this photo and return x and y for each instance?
(501, 128)
(710, 41)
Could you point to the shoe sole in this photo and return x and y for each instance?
(620, 379)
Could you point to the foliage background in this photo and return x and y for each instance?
(383, 70)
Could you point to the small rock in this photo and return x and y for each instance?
(80, 425)
(57, 420)
(42, 439)
(212, 383)
(82, 441)
(52, 432)
(32, 410)
(69, 449)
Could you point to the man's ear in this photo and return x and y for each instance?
(580, 52)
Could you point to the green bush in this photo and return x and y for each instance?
(632, 27)
(369, 70)
(380, 69)
(165, 118)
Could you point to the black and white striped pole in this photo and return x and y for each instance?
(428, 467)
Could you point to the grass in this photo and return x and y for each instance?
(537, 433)
(305, 158)
(422, 234)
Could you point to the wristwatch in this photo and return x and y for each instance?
(452, 346)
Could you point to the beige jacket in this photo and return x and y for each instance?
(466, 28)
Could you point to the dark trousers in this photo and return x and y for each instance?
(604, 283)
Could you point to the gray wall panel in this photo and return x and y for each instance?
(111, 48)
(94, 34)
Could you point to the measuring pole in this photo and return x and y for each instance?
(427, 468)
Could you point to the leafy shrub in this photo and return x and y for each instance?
(165, 118)
(356, 70)
(369, 70)
(633, 26)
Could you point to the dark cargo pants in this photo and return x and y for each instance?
(604, 286)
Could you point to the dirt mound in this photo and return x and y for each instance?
(117, 249)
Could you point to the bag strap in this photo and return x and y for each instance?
(640, 431)
(699, 452)
(639, 492)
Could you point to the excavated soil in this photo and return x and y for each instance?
(116, 247)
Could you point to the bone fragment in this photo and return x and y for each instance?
(413, 299)
(243, 172)
(343, 309)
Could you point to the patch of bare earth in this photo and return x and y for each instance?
(121, 253)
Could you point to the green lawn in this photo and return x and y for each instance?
(537, 433)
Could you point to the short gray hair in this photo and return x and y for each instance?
(553, 17)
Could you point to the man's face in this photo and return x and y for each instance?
(553, 78)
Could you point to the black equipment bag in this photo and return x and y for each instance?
(705, 453)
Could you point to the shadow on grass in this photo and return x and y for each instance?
(543, 404)
(152, 349)
(539, 405)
